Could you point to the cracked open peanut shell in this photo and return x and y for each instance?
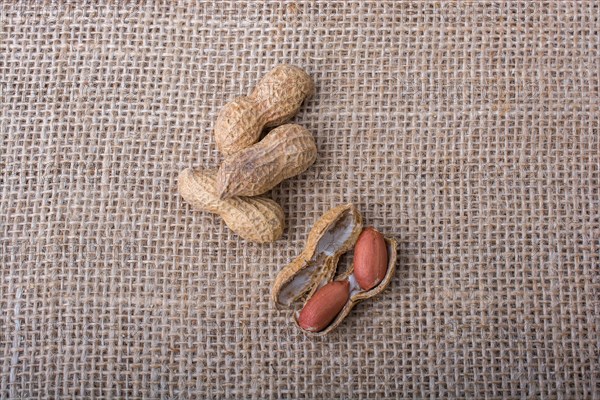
(335, 233)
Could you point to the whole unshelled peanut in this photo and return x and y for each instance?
(324, 306)
(275, 100)
(286, 151)
(257, 219)
(370, 259)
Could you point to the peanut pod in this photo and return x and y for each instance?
(286, 151)
(299, 285)
(257, 219)
(275, 100)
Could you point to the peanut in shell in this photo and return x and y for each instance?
(335, 233)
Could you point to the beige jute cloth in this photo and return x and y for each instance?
(470, 131)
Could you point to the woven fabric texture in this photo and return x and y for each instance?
(467, 130)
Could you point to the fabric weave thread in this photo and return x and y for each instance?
(468, 130)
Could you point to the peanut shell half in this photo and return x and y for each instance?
(332, 235)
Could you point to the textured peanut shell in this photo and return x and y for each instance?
(275, 100)
(316, 264)
(257, 219)
(286, 151)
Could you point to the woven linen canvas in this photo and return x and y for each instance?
(469, 131)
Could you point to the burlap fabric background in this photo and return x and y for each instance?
(470, 131)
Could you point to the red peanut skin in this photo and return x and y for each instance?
(324, 306)
(370, 259)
